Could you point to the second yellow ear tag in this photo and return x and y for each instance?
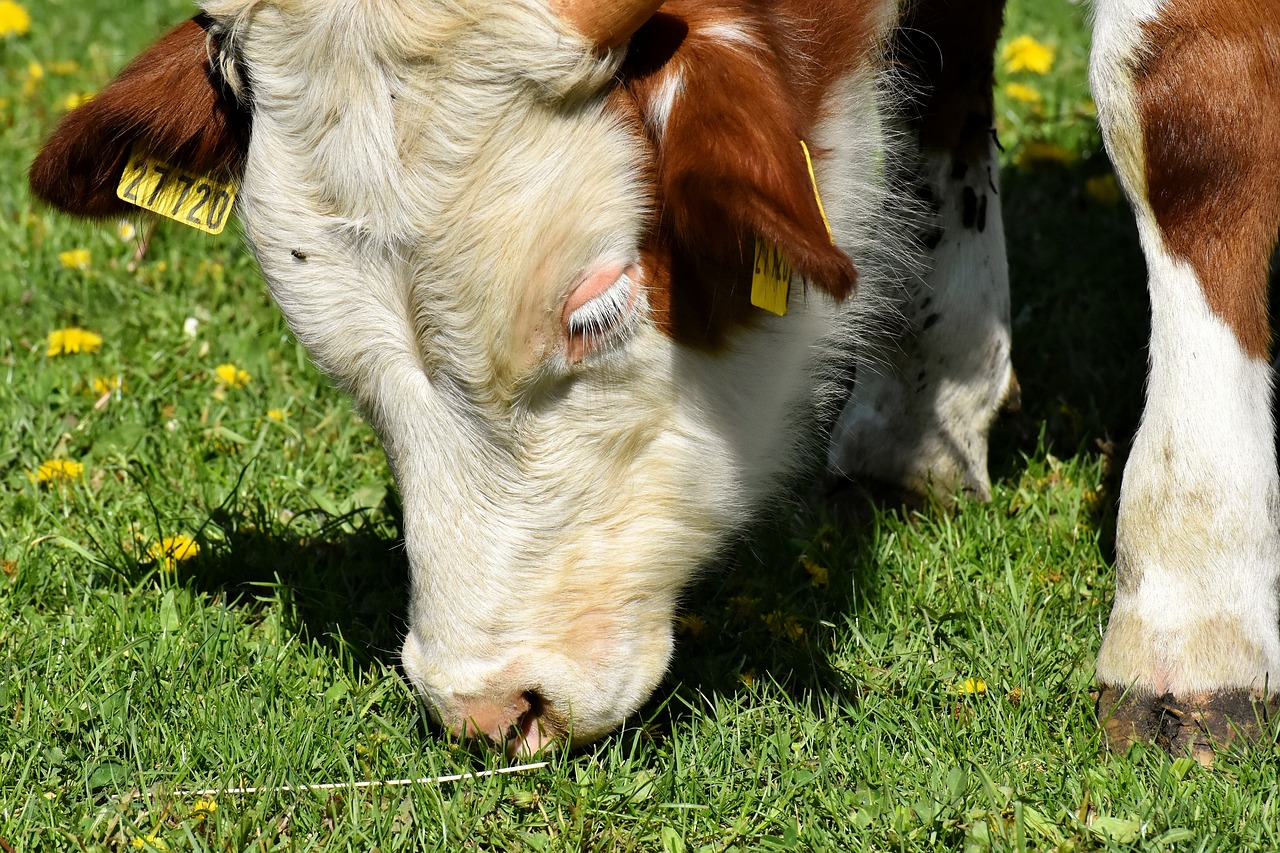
(770, 278)
(195, 200)
(771, 272)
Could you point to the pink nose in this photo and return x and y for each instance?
(518, 723)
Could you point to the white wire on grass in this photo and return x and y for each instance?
(377, 783)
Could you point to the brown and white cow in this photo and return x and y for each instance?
(521, 234)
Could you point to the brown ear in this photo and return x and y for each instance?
(170, 101)
(730, 166)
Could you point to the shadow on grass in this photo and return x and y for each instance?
(1080, 317)
(343, 580)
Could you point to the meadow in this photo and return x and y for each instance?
(202, 586)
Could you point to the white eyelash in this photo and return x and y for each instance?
(598, 317)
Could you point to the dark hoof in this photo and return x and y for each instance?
(1201, 724)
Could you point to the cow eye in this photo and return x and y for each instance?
(601, 319)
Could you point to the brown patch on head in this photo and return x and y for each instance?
(727, 163)
(946, 49)
(1208, 89)
(170, 101)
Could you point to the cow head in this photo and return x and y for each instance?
(525, 255)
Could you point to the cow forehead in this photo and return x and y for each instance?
(491, 182)
(495, 39)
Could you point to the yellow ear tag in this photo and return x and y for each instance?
(770, 278)
(771, 272)
(195, 200)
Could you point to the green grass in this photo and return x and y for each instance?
(795, 717)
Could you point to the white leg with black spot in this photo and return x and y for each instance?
(920, 412)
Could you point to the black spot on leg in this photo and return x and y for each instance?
(982, 214)
(929, 321)
(969, 211)
(959, 169)
(932, 239)
(920, 376)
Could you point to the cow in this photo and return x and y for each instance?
(591, 269)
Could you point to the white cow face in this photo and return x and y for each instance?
(470, 218)
(456, 207)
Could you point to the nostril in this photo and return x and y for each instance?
(536, 703)
(488, 718)
(522, 723)
(531, 732)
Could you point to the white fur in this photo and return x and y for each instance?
(731, 34)
(449, 172)
(664, 102)
(1117, 43)
(920, 412)
(1198, 536)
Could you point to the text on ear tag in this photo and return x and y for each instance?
(770, 278)
(195, 200)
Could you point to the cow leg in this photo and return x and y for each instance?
(1189, 100)
(919, 414)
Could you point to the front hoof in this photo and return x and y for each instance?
(1201, 724)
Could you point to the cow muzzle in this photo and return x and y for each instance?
(541, 697)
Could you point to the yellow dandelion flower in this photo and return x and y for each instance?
(232, 376)
(75, 99)
(1039, 153)
(277, 414)
(63, 66)
(819, 575)
(211, 269)
(1026, 54)
(691, 624)
(151, 840)
(55, 470)
(107, 384)
(785, 626)
(1103, 189)
(204, 808)
(974, 685)
(171, 550)
(72, 340)
(14, 20)
(75, 259)
(34, 77)
(1022, 92)
(224, 445)
(125, 230)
